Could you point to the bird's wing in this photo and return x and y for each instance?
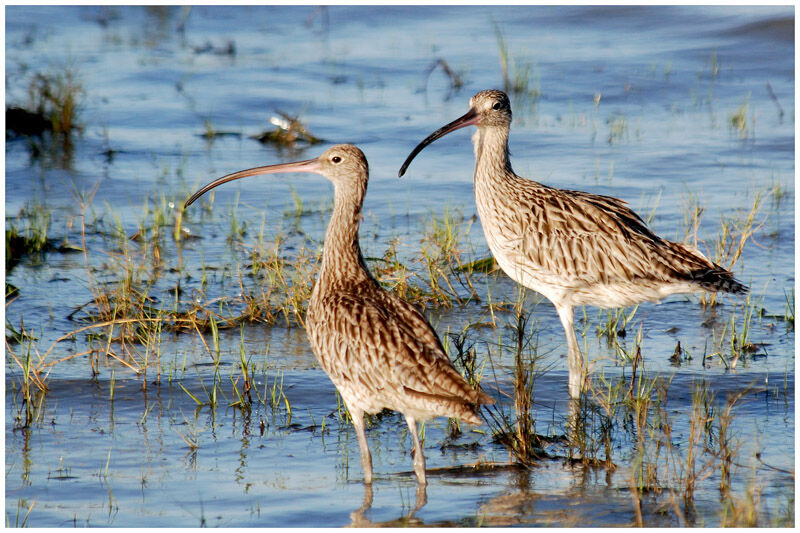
(381, 341)
(599, 239)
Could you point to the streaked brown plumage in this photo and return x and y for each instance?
(378, 350)
(575, 248)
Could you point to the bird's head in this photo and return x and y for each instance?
(343, 164)
(487, 109)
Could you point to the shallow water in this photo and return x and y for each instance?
(634, 102)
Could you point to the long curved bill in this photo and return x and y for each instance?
(309, 165)
(470, 118)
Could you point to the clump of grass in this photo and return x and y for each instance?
(663, 461)
(190, 436)
(523, 391)
(735, 232)
(27, 234)
(590, 432)
(520, 77)
(713, 65)
(789, 310)
(442, 278)
(442, 257)
(288, 132)
(738, 120)
(282, 282)
(57, 97)
(615, 324)
(778, 191)
(160, 219)
(243, 397)
(518, 432)
(617, 128)
(53, 105)
(692, 216)
(742, 511)
(466, 358)
(32, 382)
(210, 133)
(21, 521)
(699, 434)
(734, 235)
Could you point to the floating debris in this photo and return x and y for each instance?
(288, 132)
(21, 122)
(675, 358)
(456, 82)
(228, 49)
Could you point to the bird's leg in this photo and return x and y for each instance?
(422, 498)
(366, 458)
(575, 362)
(419, 458)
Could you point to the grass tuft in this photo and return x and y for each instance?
(520, 77)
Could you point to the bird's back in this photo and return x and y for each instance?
(586, 248)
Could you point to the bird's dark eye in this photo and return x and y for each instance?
(336, 159)
(497, 105)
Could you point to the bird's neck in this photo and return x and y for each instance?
(491, 153)
(342, 261)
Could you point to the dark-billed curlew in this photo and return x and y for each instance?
(574, 248)
(378, 350)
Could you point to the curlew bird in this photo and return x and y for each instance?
(378, 349)
(574, 248)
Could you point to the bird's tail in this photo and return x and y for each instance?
(483, 399)
(720, 280)
(704, 272)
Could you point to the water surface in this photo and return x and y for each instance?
(633, 102)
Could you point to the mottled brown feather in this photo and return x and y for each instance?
(380, 353)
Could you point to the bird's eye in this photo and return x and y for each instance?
(497, 105)
(336, 159)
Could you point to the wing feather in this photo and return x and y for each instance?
(384, 344)
(592, 238)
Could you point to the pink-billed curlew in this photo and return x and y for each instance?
(378, 350)
(574, 248)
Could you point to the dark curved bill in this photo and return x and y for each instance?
(309, 165)
(468, 119)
